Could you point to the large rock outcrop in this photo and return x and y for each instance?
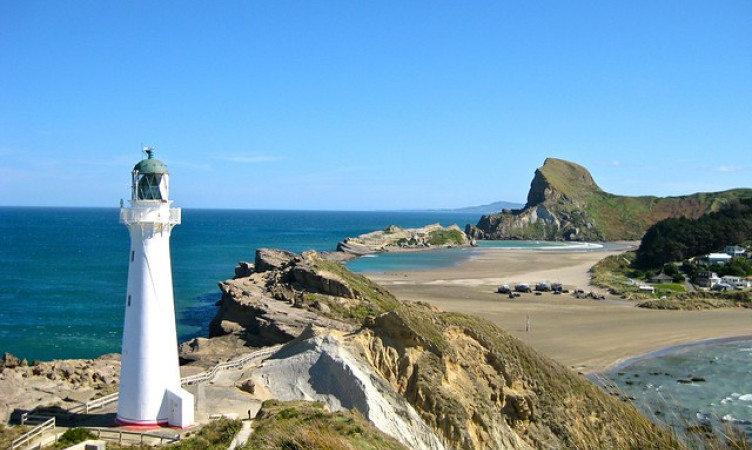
(394, 238)
(565, 203)
(276, 298)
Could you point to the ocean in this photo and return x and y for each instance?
(64, 270)
(701, 383)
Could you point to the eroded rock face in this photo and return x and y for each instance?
(287, 292)
(320, 366)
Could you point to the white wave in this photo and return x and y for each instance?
(732, 419)
(369, 256)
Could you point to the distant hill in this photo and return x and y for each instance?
(490, 208)
(564, 202)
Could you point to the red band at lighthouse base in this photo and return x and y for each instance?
(141, 423)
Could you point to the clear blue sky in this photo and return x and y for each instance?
(355, 105)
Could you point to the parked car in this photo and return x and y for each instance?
(504, 289)
(522, 287)
(543, 287)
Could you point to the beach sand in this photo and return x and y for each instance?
(587, 335)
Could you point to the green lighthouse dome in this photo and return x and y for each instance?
(150, 164)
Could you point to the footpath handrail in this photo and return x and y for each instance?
(209, 374)
(94, 404)
(24, 439)
(120, 433)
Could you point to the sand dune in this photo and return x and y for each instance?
(587, 335)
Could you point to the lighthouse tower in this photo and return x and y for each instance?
(150, 392)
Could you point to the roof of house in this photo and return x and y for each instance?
(662, 277)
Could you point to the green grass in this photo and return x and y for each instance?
(73, 436)
(216, 435)
(669, 288)
(701, 300)
(446, 237)
(9, 433)
(309, 425)
(371, 299)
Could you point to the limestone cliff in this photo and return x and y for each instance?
(564, 202)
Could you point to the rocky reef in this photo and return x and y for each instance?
(565, 203)
(394, 238)
(452, 380)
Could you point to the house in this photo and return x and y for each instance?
(707, 279)
(715, 258)
(645, 288)
(737, 282)
(661, 278)
(735, 251)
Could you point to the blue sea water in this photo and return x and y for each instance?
(701, 383)
(63, 271)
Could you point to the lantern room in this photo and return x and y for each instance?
(150, 179)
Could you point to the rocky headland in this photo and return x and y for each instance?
(394, 238)
(565, 203)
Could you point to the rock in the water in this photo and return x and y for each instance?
(394, 238)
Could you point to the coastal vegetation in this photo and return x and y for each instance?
(310, 425)
(372, 298)
(446, 237)
(215, 435)
(9, 433)
(73, 436)
(621, 276)
(680, 238)
(565, 203)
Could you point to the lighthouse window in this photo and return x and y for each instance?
(133, 253)
(148, 186)
(129, 300)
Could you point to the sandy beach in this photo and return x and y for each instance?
(586, 335)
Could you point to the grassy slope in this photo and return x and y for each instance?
(308, 425)
(625, 217)
(372, 298)
(564, 408)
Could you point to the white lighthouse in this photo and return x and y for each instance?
(150, 392)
